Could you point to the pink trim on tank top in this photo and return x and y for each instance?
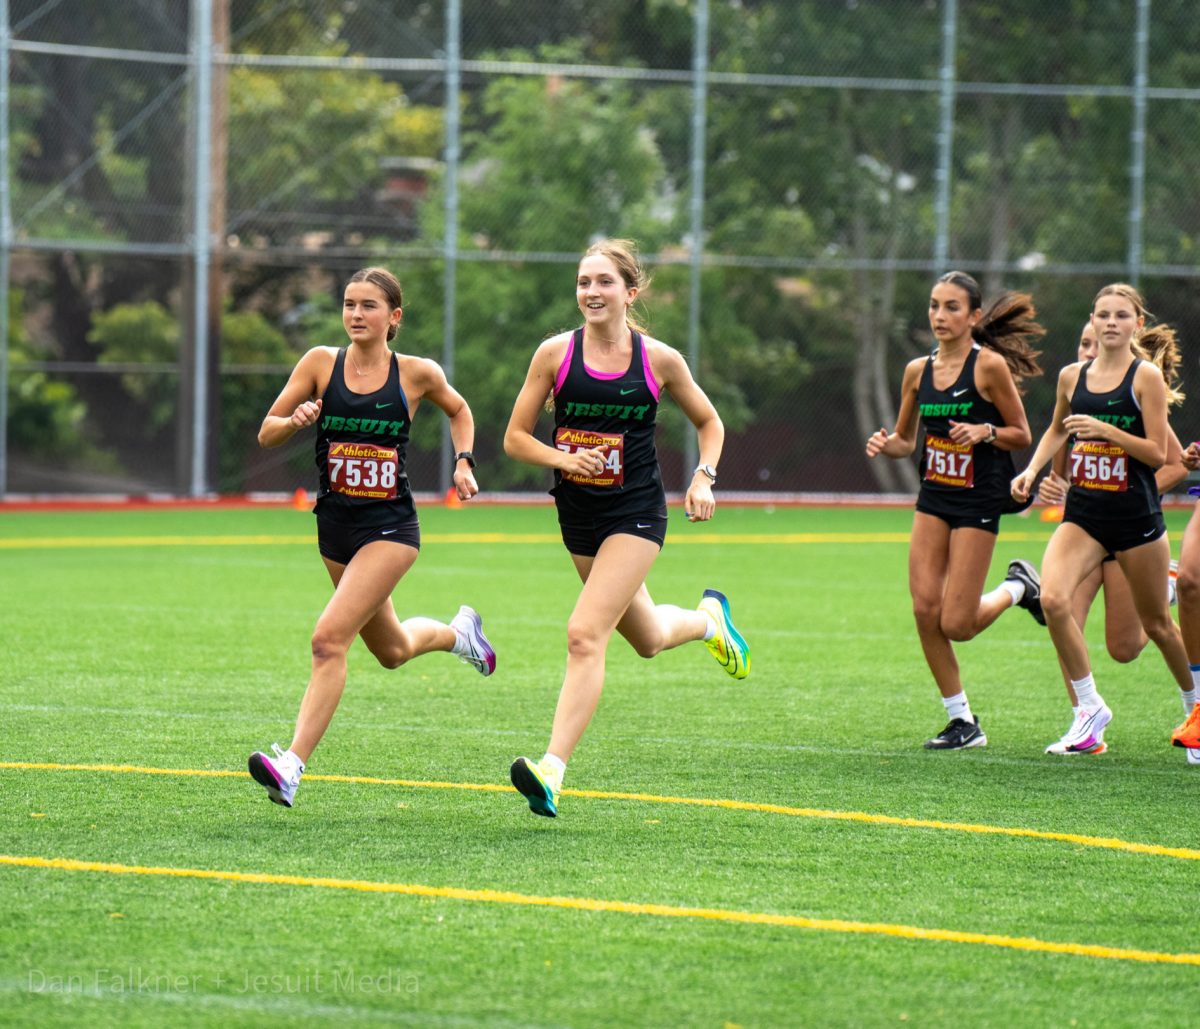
(651, 381)
(563, 368)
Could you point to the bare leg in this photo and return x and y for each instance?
(1081, 606)
(612, 579)
(361, 601)
(1145, 568)
(946, 572)
(1188, 586)
(1123, 632)
(1071, 556)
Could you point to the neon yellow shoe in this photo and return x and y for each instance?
(536, 786)
(727, 646)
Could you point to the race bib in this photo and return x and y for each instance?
(948, 463)
(574, 440)
(1099, 465)
(363, 470)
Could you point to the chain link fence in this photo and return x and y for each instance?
(185, 187)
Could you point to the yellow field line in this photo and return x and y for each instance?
(1102, 842)
(835, 925)
(749, 539)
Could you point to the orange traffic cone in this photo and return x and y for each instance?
(300, 499)
(452, 498)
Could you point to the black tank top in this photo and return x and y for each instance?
(362, 448)
(616, 412)
(1106, 483)
(977, 478)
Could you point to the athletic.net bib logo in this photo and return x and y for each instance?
(363, 470)
(574, 440)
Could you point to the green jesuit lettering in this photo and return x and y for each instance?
(623, 412)
(1121, 421)
(947, 410)
(367, 426)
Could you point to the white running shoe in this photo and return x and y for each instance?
(1193, 755)
(278, 775)
(1086, 733)
(1172, 580)
(473, 645)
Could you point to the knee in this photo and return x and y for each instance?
(392, 656)
(583, 641)
(327, 647)
(928, 614)
(1056, 605)
(1160, 629)
(647, 646)
(958, 627)
(1125, 649)
(1187, 589)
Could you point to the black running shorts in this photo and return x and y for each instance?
(339, 542)
(583, 532)
(1115, 536)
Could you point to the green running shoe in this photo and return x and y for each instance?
(529, 779)
(727, 646)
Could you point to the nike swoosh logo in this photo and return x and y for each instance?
(959, 392)
(984, 521)
(1111, 402)
(378, 406)
(1150, 533)
(626, 392)
(641, 526)
(387, 532)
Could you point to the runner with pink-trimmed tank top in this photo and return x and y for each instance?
(604, 381)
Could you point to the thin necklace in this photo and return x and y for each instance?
(356, 367)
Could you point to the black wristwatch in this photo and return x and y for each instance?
(465, 455)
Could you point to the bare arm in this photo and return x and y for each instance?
(1173, 471)
(297, 406)
(902, 440)
(429, 381)
(519, 441)
(673, 374)
(1053, 438)
(995, 383)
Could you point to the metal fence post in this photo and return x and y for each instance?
(200, 45)
(945, 136)
(1137, 141)
(450, 231)
(699, 119)
(5, 243)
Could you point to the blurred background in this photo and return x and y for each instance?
(185, 185)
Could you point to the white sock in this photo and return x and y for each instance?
(554, 766)
(1189, 699)
(958, 707)
(710, 627)
(1195, 670)
(1085, 690)
(1014, 589)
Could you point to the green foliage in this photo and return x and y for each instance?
(47, 420)
(141, 334)
(248, 339)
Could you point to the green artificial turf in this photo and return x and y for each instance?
(179, 640)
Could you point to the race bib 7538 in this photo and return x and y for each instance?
(363, 470)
